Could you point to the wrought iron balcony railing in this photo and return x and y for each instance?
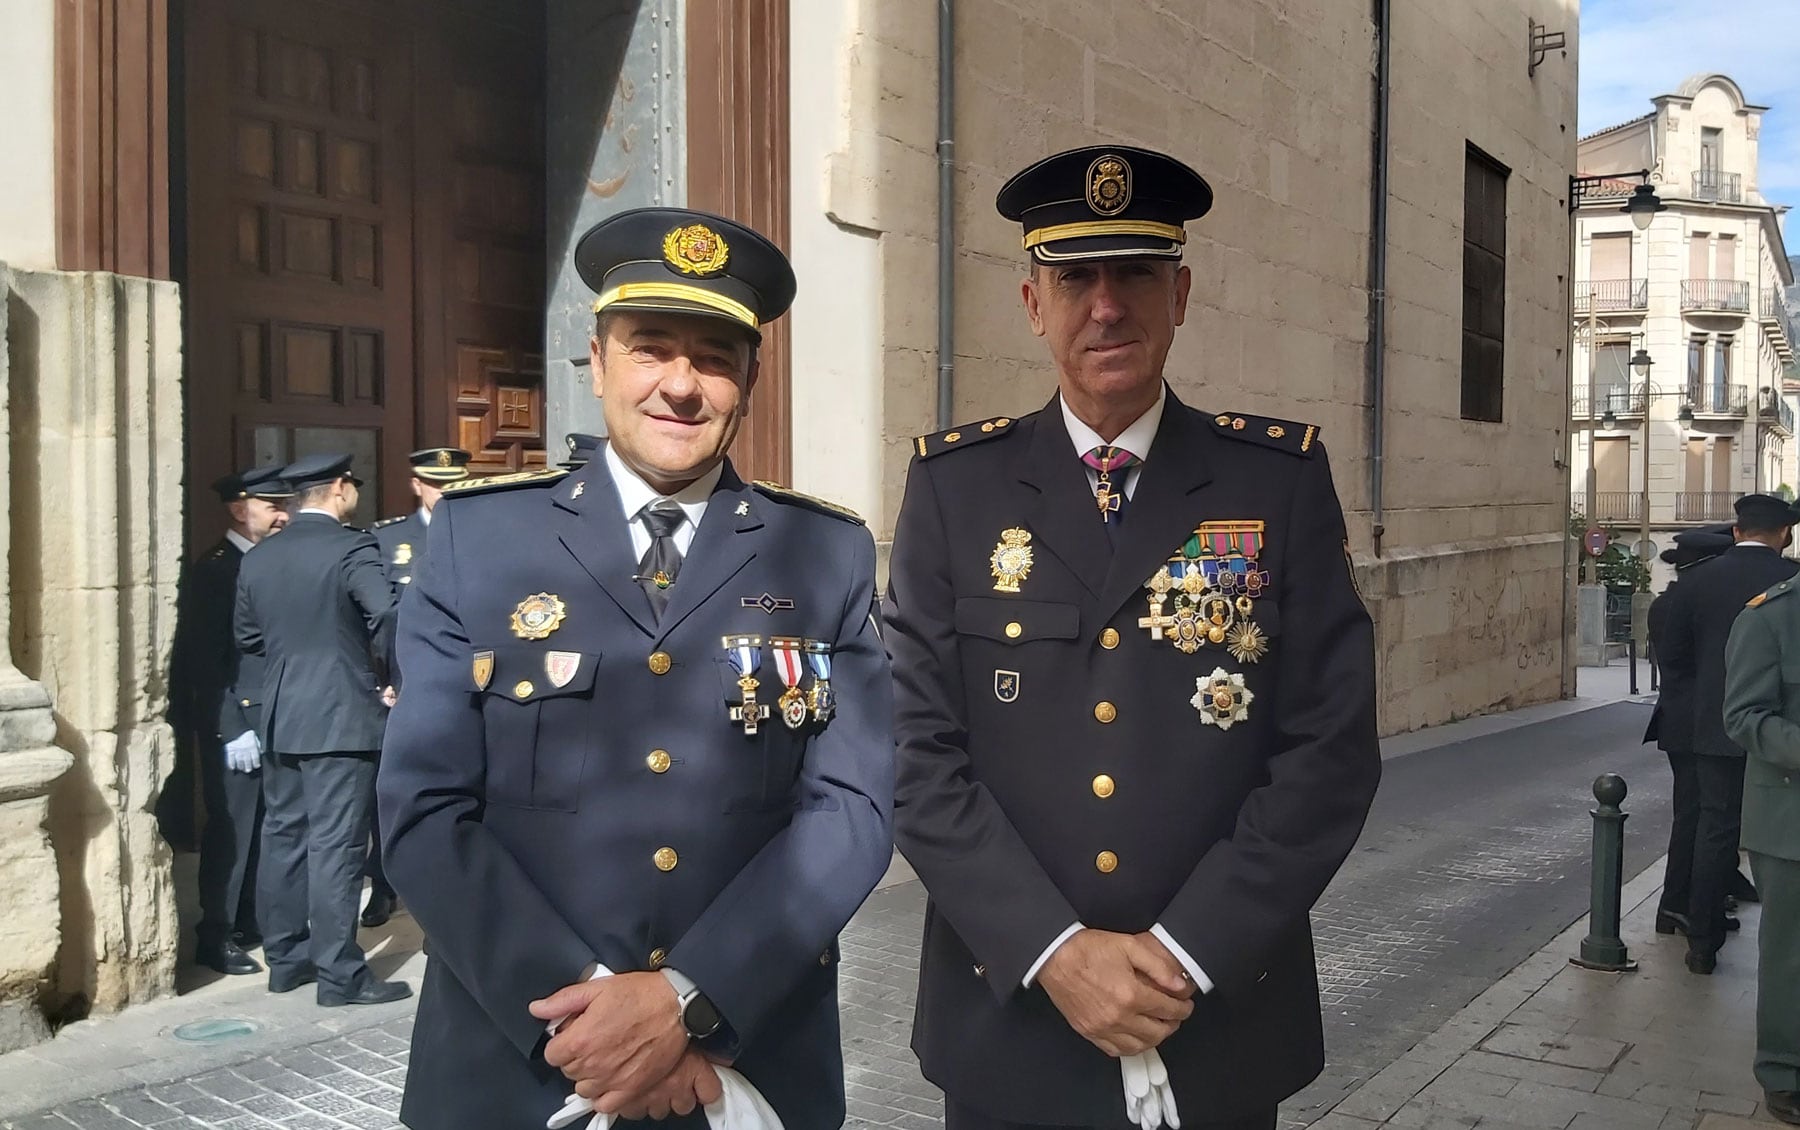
(1618, 506)
(1775, 312)
(1705, 506)
(1719, 400)
(1725, 188)
(1617, 399)
(1612, 296)
(1715, 295)
(1774, 410)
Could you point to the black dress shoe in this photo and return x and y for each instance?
(1784, 1105)
(379, 910)
(1732, 925)
(1702, 962)
(287, 980)
(246, 939)
(1671, 922)
(370, 992)
(227, 958)
(1743, 890)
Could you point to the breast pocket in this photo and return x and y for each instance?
(1016, 622)
(763, 766)
(537, 707)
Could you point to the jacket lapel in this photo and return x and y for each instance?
(1161, 514)
(591, 526)
(1063, 516)
(719, 550)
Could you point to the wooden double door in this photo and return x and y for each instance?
(365, 236)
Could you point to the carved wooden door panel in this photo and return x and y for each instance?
(300, 254)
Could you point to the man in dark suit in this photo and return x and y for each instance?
(1135, 702)
(402, 542)
(1672, 724)
(215, 699)
(314, 602)
(646, 724)
(1700, 617)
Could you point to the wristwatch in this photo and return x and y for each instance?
(698, 1015)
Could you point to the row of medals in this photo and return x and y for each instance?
(795, 705)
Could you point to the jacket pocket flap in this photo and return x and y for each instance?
(1017, 621)
(530, 674)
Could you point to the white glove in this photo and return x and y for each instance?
(740, 1107)
(1149, 1100)
(244, 752)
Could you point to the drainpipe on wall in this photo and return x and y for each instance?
(1378, 228)
(946, 203)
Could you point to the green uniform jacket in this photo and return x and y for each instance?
(1762, 714)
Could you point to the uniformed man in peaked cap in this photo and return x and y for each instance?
(316, 605)
(216, 695)
(1135, 703)
(1701, 612)
(402, 542)
(645, 732)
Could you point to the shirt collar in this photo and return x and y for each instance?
(635, 494)
(1757, 544)
(1136, 438)
(321, 513)
(424, 516)
(244, 544)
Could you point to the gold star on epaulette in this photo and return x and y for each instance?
(1282, 435)
(966, 435)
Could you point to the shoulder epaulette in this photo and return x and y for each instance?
(390, 521)
(505, 482)
(777, 491)
(926, 447)
(1775, 593)
(1282, 435)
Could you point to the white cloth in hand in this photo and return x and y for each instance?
(244, 752)
(1149, 1099)
(740, 1107)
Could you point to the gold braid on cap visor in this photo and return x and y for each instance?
(627, 292)
(1055, 232)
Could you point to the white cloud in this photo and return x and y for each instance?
(1633, 50)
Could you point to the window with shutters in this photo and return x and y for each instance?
(1484, 287)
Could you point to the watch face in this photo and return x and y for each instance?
(700, 1018)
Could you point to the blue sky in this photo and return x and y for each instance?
(1633, 50)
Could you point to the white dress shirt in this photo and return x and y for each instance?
(636, 496)
(424, 516)
(1136, 438)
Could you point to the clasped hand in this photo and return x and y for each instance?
(1125, 993)
(622, 1044)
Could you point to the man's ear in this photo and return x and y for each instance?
(1184, 282)
(750, 382)
(1028, 293)
(596, 361)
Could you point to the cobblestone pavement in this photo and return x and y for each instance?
(1475, 856)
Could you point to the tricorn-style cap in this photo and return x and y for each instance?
(687, 262)
(1105, 202)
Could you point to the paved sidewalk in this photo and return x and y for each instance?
(1554, 1046)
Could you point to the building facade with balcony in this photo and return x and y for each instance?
(1701, 291)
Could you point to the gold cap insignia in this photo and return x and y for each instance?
(696, 250)
(1109, 185)
(537, 616)
(443, 457)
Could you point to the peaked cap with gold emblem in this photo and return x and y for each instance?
(440, 464)
(1105, 202)
(687, 262)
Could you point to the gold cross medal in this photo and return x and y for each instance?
(1011, 560)
(745, 653)
(792, 702)
(1222, 699)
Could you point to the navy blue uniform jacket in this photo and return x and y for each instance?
(586, 797)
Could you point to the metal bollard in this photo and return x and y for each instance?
(1631, 657)
(1602, 949)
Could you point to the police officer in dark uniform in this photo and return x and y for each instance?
(1135, 702)
(581, 449)
(1700, 616)
(1671, 724)
(216, 697)
(402, 542)
(646, 724)
(316, 604)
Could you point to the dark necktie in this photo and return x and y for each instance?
(662, 561)
(1109, 494)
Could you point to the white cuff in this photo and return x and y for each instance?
(1201, 980)
(1038, 965)
(681, 982)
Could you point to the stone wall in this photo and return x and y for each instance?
(1274, 103)
(95, 548)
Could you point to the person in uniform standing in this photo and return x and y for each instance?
(1700, 617)
(1672, 724)
(316, 605)
(646, 731)
(216, 697)
(1135, 702)
(581, 449)
(1762, 715)
(402, 542)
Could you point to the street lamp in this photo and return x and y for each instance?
(1643, 207)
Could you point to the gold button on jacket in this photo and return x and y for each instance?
(665, 859)
(660, 663)
(1103, 786)
(659, 761)
(1106, 863)
(1105, 711)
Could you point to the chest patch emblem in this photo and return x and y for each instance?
(1011, 560)
(483, 669)
(560, 667)
(537, 616)
(1006, 686)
